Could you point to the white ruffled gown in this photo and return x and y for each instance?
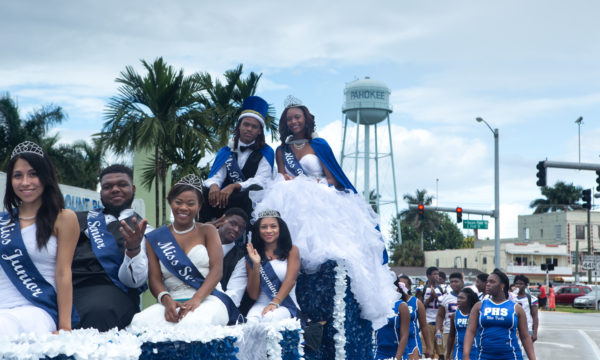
(327, 224)
(211, 311)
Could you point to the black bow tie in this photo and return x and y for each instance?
(244, 148)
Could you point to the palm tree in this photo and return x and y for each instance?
(14, 130)
(151, 112)
(559, 197)
(221, 103)
(431, 219)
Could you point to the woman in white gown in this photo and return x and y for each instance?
(38, 241)
(273, 264)
(327, 219)
(184, 247)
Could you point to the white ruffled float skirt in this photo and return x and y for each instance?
(327, 224)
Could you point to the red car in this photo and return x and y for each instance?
(566, 294)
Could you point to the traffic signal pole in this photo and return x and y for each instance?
(452, 209)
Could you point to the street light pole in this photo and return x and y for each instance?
(496, 194)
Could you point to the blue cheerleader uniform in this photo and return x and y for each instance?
(388, 337)
(414, 340)
(461, 322)
(498, 336)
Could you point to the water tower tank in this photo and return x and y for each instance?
(369, 97)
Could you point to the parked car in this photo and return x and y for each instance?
(566, 294)
(588, 300)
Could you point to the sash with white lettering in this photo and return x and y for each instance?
(179, 264)
(22, 272)
(233, 169)
(291, 162)
(270, 285)
(106, 249)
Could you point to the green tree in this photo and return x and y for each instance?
(468, 242)
(14, 130)
(153, 112)
(446, 236)
(431, 219)
(560, 197)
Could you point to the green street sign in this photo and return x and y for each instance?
(475, 224)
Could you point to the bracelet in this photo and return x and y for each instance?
(274, 303)
(275, 297)
(160, 296)
(135, 248)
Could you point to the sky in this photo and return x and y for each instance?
(530, 69)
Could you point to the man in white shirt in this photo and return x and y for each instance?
(529, 304)
(448, 306)
(110, 266)
(430, 294)
(244, 165)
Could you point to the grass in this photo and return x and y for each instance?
(571, 309)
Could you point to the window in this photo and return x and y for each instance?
(484, 260)
(526, 233)
(552, 261)
(575, 291)
(586, 290)
(579, 232)
(557, 232)
(465, 263)
(437, 262)
(541, 233)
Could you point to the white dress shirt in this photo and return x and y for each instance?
(237, 282)
(264, 172)
(133, 272)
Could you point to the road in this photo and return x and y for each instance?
(568, 336)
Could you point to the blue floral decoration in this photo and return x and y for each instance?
(314, 293)
(360, 331)
(289, 345)
(222, 349)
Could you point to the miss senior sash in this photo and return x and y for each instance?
(106, 249)
(22, 272)
(291, 162)
(179, 264)
(270, 285)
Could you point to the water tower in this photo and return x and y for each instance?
(367, 104)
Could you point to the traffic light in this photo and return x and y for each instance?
(541, 174)
(587, 198)
(598, 180)
(421, 211)
(458, 214)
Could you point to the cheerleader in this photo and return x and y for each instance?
(498, 319)
(416, 309)
(392, 338)
(459, 321)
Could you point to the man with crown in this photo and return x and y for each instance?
(245, 164)
(110, 267)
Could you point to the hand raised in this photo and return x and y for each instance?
(133, 234)
(253, 254)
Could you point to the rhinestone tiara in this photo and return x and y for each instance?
(269, 213)
(27, 147)
(291, 101)
(191, 180)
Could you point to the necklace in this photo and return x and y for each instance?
(298, 144)
(28, 218)
(186, 230)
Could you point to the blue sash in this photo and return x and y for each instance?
(233, 169)
(291, 162)
(106, 249)
(23, 273)
(225, 154)
(270, 285)
(179, 264)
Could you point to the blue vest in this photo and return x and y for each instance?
(498, 336)
(388, 337)
(461, 322)
(414, 340)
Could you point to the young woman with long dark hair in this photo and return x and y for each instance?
(273, 265)
(37, 242)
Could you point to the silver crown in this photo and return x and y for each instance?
(269, 213)
(191, 180)
(291, 101)
(27, 147)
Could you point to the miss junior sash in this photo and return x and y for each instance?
(106, 249)
(22, 272)
(270, 285)
(291, 162)
(179, 264)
